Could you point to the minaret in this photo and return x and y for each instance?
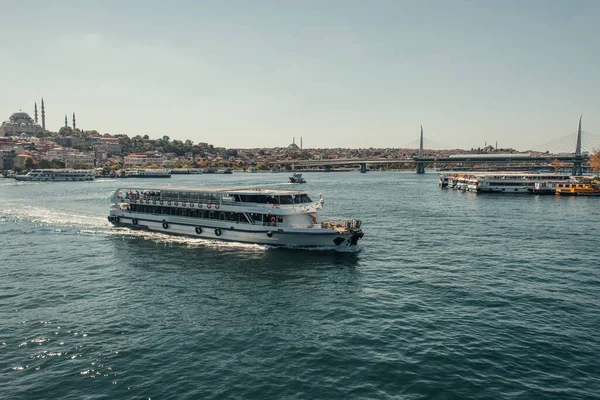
(43, 117)
(66, 122)
(300, 142)
(74, 125)
(35, 112)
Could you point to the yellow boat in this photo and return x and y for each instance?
(578, 189)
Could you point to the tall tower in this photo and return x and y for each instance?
(35, 112)
(300, 142)
(66, 122)
(421, 164)
(578, 159)
(43, 117)
(74, 125)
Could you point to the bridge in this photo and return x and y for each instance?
(577, 159)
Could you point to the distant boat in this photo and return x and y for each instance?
(145, 173)
(224, 171)
(57, 175)
(297, 178)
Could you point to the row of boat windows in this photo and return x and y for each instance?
(216, 197)
(241, 218)
(510, 184)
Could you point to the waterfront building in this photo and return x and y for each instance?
(79, 160)
(141, 159)
(7, 159)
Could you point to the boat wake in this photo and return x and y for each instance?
(39, 215)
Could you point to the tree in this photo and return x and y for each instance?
(595, 162)
(556, 164)
(30, 163)
(65, 131)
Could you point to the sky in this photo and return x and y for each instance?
(354, 74)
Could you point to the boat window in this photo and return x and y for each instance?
(286, 200)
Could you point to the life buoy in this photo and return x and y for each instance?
(147, 201)
(176, 203)
(273, 221)
(165, 225)
(218, 232)
(192, 205)
(208, 205)
(217, 206)
(199, 205)
(169, 202)
(183, 203)
(134, 221)
(198, 230)
(270, 234)
(161, 202)
(153, 201)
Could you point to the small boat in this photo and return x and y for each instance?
(297, 178)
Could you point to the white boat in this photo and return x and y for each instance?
(145, 173)
(248, 215)
(501, 182)
(513, 182)
(443, 181)
(57, 175)
(297, 178)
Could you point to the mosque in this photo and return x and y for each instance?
(21, 123)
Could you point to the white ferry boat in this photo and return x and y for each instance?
(502, 182)
(145, 173)
(248, 215)
(513, 182)
(57, 175)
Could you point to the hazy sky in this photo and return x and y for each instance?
(338, 73)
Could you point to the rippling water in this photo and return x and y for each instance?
(452, 295)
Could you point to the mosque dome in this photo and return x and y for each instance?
(21, 117)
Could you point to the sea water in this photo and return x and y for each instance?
(450, 295)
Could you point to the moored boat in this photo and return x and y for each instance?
(501, 182)
(578, 189)
(248, 215)
(145, 173)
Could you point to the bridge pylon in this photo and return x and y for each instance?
(577, 161)
(421, 164)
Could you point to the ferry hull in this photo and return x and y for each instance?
(505, 189)
(242, 233)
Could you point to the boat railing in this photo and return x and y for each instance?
(305, 226)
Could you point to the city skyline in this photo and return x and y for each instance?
(339, 75)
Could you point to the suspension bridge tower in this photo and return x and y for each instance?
(577, 170)
(421, 164)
